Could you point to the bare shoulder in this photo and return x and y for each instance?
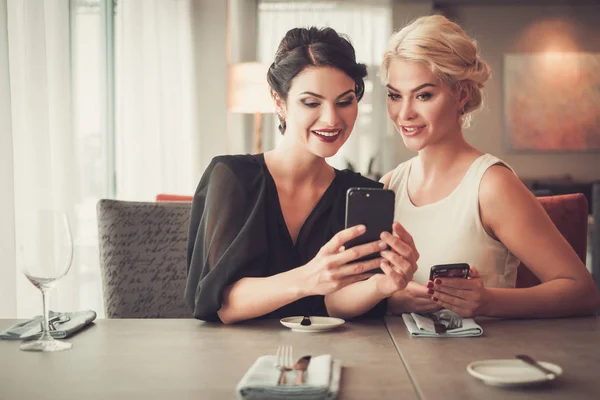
(500, 184)
(503, 197)
(386, 179)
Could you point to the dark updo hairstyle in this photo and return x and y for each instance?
(303, 47)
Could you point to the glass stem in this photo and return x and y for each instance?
(45, 330)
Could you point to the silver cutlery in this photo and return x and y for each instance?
(529, 360)
(453, 321)
(283, 362)
(37, 327)
(301, 366)
(57, 320)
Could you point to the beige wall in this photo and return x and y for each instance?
(210, 33)
(403, 13)
(502, 29)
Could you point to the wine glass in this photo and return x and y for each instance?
(45, 256)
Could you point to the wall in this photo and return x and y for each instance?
(403, 13)
(242, 33)
(210, 34)
(502, 29)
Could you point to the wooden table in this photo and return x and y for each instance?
(189, 359)
(437, 366)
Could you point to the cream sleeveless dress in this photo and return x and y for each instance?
(450, 230)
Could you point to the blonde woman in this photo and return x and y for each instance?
(461, 205)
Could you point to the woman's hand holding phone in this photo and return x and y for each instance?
(333, 267)
(466, 297)
(414, 298)
(400, 261)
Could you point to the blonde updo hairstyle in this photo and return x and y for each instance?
(449, 53)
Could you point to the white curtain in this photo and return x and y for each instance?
(369, 26)
(59, 145)
(46, 167)
(8, 273)
(155, 98)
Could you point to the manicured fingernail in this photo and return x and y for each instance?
(430, 291)
(361, 228)
(438, 281)
(342, 248)
(430, 284)
(382, 245)
(385, 235)
(434, 299)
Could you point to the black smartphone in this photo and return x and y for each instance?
(373, 208)
(455, 270)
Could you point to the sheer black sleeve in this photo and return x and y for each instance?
(226, 235)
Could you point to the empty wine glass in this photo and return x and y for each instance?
(45, 255)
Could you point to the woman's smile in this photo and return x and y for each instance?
(327, 135)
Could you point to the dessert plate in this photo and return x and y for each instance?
(511, 372)
(318, 324)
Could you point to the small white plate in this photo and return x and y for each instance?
(318, 324)
(511, 372)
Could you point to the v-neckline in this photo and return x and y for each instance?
(280, 210)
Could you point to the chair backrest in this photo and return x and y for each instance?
(570, 214)
(143, 258)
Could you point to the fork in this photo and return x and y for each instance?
(57, 320)
(283, 362)
(454, 321)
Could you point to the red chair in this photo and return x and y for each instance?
(570, 215)
(174, 197)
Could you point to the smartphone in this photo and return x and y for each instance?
(456, 270)
(373, 208)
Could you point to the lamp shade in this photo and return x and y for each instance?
(248, 89)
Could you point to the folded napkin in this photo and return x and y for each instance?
(321, 380)
(419, 325)
(62, 325)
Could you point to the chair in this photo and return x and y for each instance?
(173, 197)
(143, 250)
(569, 213)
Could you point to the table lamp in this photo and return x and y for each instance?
(249, 94)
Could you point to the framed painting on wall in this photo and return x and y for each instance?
(552, 102)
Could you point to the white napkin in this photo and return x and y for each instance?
(68, 324)
(421, 326)
(322, 380)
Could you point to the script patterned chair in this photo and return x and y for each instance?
(143, 258)
(569, 213)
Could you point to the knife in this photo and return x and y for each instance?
(36, 329)
(529, 360)
(301, 366)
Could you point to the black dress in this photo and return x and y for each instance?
(237, 230)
